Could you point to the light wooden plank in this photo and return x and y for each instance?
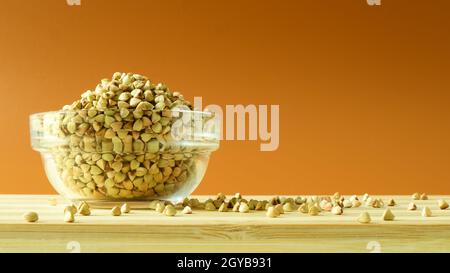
(148, 231)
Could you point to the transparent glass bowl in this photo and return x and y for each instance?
(84, 164)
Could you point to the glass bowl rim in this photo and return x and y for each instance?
(198, 112)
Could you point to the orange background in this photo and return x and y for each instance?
(363, 91)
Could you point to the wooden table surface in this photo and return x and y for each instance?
(206, 231)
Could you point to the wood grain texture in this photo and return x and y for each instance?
(204, 231)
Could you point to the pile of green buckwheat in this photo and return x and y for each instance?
(117, 141)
